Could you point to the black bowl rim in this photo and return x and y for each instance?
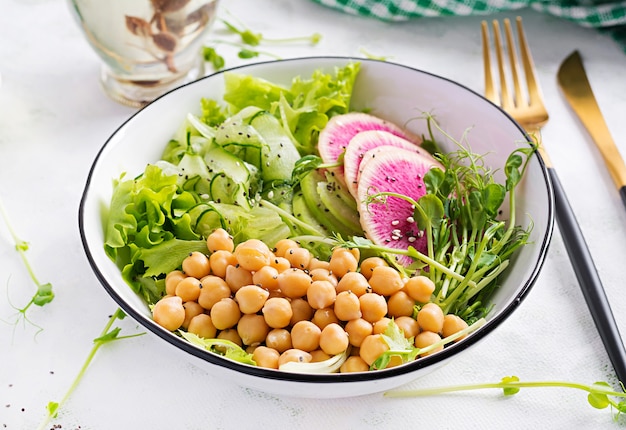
(260, 372)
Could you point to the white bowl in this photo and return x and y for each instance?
(392, 91)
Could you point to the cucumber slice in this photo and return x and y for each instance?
(331, 199)
(279, 155)
(231, 178)
(304, 214)
(320, 212)
(342, 191)
(225, 190)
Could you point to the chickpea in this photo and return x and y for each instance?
(236, 277)
(321, 274)
(321, 294)
(368, 265)
(453, 324)
(220, 260)
(372, 347)
(294, 283)
(281, 264)
(281, 247)
(430, 318)
(252, 254)
(279, 339)
(427, 338)
(191, 310)
(420, 288)
(373, 306)
(318, 355)
(196, 264)
(232, 335)
(298, 257)
(355, 282)
(202, 325)
(189, 289)
(220, 240)
(266, 277)
(252, 329)
(334, 339)
(266, 357)
(213, 290)
(301, 310)
(353, 364)
(251, 298)
(294, 355)
(342, 261)
(171, 281)
(305, 336)
(277, 312)
(347, 306)
(380, 326)
(169, 313)
(323, 317)
(225, 314)
(358, 329)
(315, 263)
(385, 280)
(356, 252)
(408, 325)
(400, 304)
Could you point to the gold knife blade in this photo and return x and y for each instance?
(575, 85)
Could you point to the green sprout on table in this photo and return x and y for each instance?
(44, 293)
(600, 394)
(248, 42)
(107, 335)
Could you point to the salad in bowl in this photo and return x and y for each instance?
(321, 226)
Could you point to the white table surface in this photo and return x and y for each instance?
(53, 120)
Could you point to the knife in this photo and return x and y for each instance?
(573, 81)
(577, 90)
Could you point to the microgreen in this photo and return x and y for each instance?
(403, 348)
(44, 294)
(109, 334)
(468, 246)
(247, 42)
(600, 394)
(371, 56)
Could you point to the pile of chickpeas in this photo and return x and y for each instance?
(285, 305)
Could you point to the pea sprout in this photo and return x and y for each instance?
(600, 394)
(107, 335)
(248, 42)
(44, 294)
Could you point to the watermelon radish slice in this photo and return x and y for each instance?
(367, 140)
(334, 138)
(391, 224)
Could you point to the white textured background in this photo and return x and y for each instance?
(53, 120)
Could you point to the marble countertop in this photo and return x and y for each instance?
(54, 117)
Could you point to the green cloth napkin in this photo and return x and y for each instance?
(605, 15)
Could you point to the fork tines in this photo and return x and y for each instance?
(504, 97)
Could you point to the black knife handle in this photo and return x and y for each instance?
(588, 278)
(622, 192)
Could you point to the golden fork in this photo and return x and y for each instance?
(530, 112)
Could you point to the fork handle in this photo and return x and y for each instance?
(588, 278)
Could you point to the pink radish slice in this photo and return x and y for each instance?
(391, 224)
(367, 140)
(334, 138)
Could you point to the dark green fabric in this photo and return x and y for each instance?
(607, 16)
